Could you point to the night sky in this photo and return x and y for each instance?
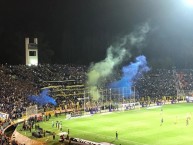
(80, 31)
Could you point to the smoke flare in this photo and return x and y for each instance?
(130, 73)
(115, 55)
(43, 98)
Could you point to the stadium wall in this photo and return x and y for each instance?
(24, 140)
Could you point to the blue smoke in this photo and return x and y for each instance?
(42, 99)
(130, 74)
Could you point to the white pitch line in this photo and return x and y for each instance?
(101, 136)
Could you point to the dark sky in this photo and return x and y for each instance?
(80, 31)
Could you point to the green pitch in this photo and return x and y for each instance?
(134, 127)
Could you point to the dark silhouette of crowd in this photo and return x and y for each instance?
(157, 83)
(185, 79)
(67, 85)
(20, 81)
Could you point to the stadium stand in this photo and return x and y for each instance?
(67, 83)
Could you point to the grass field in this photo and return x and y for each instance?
(134, 127)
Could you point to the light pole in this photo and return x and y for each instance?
(84, 101)
(134, 94)
(110, 100)
(102, 99)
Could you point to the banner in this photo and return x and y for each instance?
(3, 116)
(189, 98)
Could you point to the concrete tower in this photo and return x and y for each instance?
(31, 51)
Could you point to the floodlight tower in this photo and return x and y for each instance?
(31, 51)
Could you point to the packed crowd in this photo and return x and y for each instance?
(19, 82)
(4, 139)
(157, 83)
(66, 83)
(185, 78)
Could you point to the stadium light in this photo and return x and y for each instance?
(188, 3)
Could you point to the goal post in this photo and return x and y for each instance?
(31, 110)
